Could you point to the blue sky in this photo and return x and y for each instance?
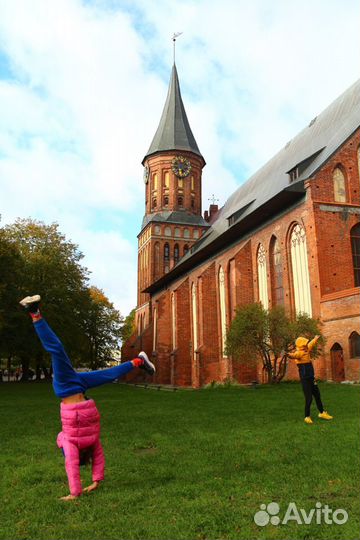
(83, 84)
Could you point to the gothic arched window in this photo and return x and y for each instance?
(166, 200)
(146, 264)
(232, 288)
(339, 185)
(186, 233)
(166, 258)
(300, 270)
(194, 318)
(262, 277)
(355, 248)
(180, 201)
(142, 267)
(222, 309)
(277, 289)
(155, 182)
(157, 258)
(176, 253)
(354, 342)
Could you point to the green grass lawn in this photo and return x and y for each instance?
(182, 465)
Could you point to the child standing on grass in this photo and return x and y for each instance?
(80, 435)
(307, 376)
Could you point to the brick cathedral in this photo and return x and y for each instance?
(288, 236)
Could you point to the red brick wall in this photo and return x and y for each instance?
(131, 348)
(244, 275)
(340, 315)
(346, 158)
(182, 359)
(334, 249)
(210, 331)
(332, 225)
(339, 302)
(163, 341)
(161, 163)
(330, 268)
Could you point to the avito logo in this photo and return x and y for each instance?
(319, 515)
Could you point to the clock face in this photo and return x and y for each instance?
(146, 174)
(181, 166)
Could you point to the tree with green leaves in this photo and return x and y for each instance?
(102, 329)
(128, 326)
(36, 258)
(11, 320)
(268, 334)
(45, 262)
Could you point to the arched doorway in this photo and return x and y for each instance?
(337, 363)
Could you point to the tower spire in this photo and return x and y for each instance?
(174, 131)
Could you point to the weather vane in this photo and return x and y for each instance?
(174, 38)
(212, 199)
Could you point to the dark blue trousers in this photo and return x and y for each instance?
(67, 381)
(310, 387)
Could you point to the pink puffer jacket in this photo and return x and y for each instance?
(80, 431)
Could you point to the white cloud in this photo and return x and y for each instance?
(88, 91)
(260, 62)
(114, 259)
(70, 137)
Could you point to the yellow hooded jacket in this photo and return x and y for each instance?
(303, 348)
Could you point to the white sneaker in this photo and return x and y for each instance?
(31, 303)
(147, 365)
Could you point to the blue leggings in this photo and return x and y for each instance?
(66, 380)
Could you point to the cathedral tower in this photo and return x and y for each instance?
(172, 174)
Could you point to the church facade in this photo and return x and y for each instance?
(288, 236)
